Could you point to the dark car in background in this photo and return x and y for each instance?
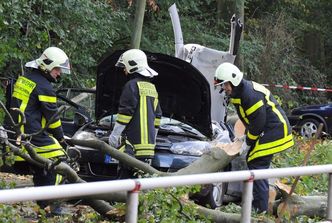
(305, 120)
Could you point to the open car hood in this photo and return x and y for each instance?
(184, 93)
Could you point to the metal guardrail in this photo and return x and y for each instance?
(133, 186)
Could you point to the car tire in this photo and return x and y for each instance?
(215, 195)
(308, 128)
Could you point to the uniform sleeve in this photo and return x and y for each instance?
(128, 103)
(255, 111)
(48, 102)
(158, 115)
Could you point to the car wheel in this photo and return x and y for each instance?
(215, 196)
(308, 128)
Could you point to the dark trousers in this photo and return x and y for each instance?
(261, 187)
(41, 177)
(125, 171)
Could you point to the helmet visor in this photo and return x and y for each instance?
(65, 67)
(218, 82)
(120, 62)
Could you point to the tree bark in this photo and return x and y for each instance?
(311, 206)
(220, 217)
(219, 157)
(138, 24)
(63, 169)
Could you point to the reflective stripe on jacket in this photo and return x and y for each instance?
(140, 111)
(34, 95)
(267, 127)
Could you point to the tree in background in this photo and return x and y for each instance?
(284, 42)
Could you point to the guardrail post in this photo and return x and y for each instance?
(132, 204)
(329, 199)
(247, 199)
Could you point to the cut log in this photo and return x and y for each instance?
(310, 206)
(220, 217)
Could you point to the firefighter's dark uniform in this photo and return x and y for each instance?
(34, 95)
(140, 112)
(267, 131)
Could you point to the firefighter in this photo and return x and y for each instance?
(34, 95)
(139, 112)
(267, 127)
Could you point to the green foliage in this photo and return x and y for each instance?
(83, 29)
(158, 32)
(2, 99)
(322, 154)
(154, 203)
(8, 214)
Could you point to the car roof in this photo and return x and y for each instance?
(184, 93)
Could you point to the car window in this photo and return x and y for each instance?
(76, 101)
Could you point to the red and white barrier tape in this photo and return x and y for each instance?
(298, 87)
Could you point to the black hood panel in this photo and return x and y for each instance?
(184, 93)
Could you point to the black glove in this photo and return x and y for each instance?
(64, 144)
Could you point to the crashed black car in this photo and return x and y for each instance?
(185, 130)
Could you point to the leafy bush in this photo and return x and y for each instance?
(320, 155)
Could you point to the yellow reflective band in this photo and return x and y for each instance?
(58, 179)
(235, 100)
(46, 98)
(157, 122)
(143, 146)
(243, 115)
(144, 149)
(122, 148)
(273, 144)
(143, 120)
(251, 136)
(55, 124)
(255, 107)
(147, 89)
(267, 93)
(45, 152)
(43, 122)
(281, 118)
(255, 154)
(123, 118)
(23, 88)
(144, 153)
(155, 104)
(48, 151)
(51, 154)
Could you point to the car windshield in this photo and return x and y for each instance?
(167, 124)
(74, 100)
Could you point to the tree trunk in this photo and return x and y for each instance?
(220, 217)
(138, 24)
(311, 206)
(219, 157)
(63, 169)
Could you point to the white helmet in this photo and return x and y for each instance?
(228, 72)
(135, 60)
(54, 57)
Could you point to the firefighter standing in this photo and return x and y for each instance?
(267, 127)
(139, 111)
(34, 95)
